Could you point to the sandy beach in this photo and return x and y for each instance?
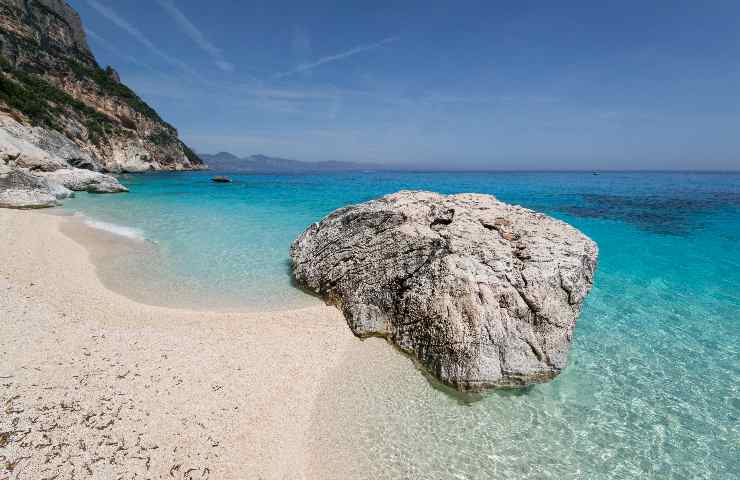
(95, 385)
(352, 241)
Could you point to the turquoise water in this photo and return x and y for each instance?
(653, 386)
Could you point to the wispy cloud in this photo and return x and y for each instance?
(120, 22)
(112, 49)
(196, 35)
(336, 57)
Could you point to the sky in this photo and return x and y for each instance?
(459, 84)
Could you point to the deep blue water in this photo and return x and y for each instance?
(653, 386)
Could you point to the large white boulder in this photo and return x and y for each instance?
(482, 293)
(79, 180)
(21, 189)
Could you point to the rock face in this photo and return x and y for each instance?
(20, 189)
(50, 80)
(36, 175)
(63, 119)
(40, 149)
(79, 180)
(482, 293)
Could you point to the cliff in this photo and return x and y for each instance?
(49, 79)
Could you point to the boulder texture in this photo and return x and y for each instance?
(20, 189)
(36, 168)
(79, 180)
(484, 294)
(40, 149)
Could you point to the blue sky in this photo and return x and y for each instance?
(489, 85)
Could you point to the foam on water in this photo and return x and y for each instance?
(652, 389)
(122, 230)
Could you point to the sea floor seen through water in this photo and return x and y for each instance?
(653, 384)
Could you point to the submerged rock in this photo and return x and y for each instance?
(482, 293)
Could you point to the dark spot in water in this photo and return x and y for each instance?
(675, 214)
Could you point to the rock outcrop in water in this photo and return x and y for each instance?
(482, 293)
(67, 105)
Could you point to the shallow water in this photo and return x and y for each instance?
(653, 386)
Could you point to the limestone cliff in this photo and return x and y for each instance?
(50, 79)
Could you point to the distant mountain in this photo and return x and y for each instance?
(228, 162)
(220, 160)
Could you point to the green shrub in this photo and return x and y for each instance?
(43, 103)
(160, 138)
(110, 87)
(190, 154)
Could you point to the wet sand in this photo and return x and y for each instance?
(95, 385)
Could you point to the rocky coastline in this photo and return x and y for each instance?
(38, 168)
(65, 122)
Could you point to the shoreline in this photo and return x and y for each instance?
(113, 248)
(90, 375)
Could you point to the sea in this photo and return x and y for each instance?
(652, 389)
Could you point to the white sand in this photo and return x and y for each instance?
(94, 385)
